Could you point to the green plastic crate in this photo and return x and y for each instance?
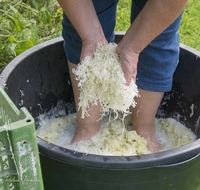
(19, 159)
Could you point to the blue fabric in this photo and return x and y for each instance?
(106, 12)
(157, 62)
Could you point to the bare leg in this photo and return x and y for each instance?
(88, 126)
(144, 114)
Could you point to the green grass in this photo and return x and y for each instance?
(123, 15)
(190, 25)
(25, 23)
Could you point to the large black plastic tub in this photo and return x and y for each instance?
(39, 77)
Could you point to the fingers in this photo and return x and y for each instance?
(129, 60)
(134, 79)
(129, 78)
(89, 46)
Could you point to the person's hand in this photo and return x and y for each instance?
(129, 60)
(89, 45)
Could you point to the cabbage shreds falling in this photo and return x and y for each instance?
(101, 79)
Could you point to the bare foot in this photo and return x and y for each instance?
(152, 143)
(85, 133)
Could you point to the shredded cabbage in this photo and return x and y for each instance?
(101, 79)
(115, 136)
(177, 134)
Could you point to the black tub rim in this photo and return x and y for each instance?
(171, 157)
(176, 156)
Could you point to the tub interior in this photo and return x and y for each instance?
(42, 79)
(183, 101)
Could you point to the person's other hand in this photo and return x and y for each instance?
(129, 60)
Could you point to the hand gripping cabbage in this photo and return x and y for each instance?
(101, 79)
